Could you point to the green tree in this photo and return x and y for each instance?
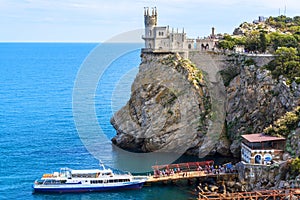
(263, 42)
(296, 20)
(226, 44)
(252, 41)
(240, 40)
(286, 54)
(286, 63)
(282, 40)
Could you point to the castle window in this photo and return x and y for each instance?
(160, 33)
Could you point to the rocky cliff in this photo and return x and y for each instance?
(254, 101)
(169, 107)
(174, 107)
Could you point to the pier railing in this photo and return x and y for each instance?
(181, 171)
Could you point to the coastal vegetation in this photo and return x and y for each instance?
(279, 36)
(286, 64)
(285, 124)
(265, 36)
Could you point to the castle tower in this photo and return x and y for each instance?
(150, 21)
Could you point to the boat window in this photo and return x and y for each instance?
(39, 182)
(96, 181)
(53, 182)
(93, 175)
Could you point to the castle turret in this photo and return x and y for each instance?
(150, 21)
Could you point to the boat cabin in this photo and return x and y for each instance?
(91, 173)
(261, 149)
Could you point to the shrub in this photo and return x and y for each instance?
(295, 166)
(285, 124)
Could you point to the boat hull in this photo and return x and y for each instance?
(71, 188)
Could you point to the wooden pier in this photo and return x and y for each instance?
(186, 176)
(202, 170)
(256, 195)
(188, 171)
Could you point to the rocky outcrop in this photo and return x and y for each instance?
(254, 101)
(173, 109)
(293, 143)
(246, 28)
(168, 110)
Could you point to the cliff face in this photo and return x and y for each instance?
(172, 108)
(254, 101)
(168, 109)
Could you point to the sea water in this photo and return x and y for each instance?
(37, 130)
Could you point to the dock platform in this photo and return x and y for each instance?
(188, 171)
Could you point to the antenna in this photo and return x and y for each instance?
(102, 165)
(284, 10)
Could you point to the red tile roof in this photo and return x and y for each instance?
(259, 137)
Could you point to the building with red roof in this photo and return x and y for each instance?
(261, 149)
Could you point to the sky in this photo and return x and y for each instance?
(99, 20)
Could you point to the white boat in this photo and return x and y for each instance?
(91, 180)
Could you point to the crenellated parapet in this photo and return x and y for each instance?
(150, 19)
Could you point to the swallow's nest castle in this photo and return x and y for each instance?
(160, 39)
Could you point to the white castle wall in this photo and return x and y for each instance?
(159, 39)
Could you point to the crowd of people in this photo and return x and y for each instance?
(207, 169)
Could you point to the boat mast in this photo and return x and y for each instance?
(102, 165)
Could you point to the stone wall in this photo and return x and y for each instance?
(260, 177)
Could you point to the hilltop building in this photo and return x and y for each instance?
(162, 39)
(261, 149)
(261, 19)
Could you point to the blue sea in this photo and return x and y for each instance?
(38, 131)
